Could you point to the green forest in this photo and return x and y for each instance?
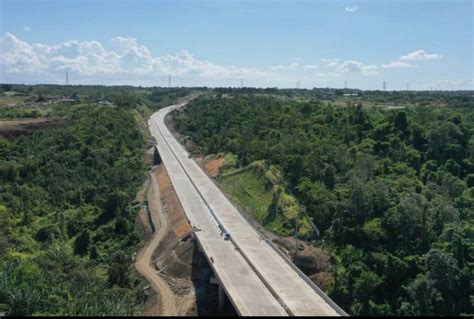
(67, 216)
(392, 191)
(67, 197)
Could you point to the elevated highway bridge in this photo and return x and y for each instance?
(257, 277)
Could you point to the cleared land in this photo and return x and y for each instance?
(17, 127)
(178, 274)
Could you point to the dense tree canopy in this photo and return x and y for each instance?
(66, 209)
(390, 190)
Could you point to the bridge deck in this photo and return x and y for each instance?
(245, 290)
(288, 289)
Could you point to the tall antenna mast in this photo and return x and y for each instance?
(408, 86)
(241, 83)
(345, 84)
(67, 77)
(384, 85)
(169, 80)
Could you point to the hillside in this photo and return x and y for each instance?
(67, 190)
(391, 190)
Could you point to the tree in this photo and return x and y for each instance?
(329, 176)
(118, 275)
(22, 301)
(81, 244)
(47, 233)
(470, 180)
(444, 274)
(400, 121)
(420, 295)
(93, 253)
(452, 167)
(374, 231)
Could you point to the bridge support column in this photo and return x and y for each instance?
(221, 298)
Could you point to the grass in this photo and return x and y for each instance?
(11, 100)
(248, 189)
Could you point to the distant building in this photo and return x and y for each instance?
(103, 101)
(65, 99)
(350, 94)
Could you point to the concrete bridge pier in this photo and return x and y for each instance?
(221, 298)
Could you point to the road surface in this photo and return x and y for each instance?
(257, 279)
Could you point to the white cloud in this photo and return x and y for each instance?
(352, 8)
(331, 63)
(18, 56)
(327, 74)
(369, 70)
(294, 66)
(121, 44)
(420, 55)
(396, 64)
(356, 66)
(124, 58)
(26, 28)
(291, 66)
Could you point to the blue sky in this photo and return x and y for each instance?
(216, 43)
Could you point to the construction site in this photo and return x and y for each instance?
(180, 279)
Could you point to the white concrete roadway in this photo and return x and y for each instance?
(281, 290)
(245, 290)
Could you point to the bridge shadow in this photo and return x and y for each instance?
(207, 294)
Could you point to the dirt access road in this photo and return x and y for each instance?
(144, 258)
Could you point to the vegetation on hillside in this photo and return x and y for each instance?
(67, 210)
(391, 191)
(260, 190)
